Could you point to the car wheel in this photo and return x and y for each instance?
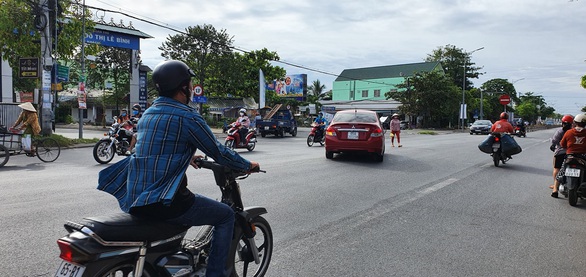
(329, 155)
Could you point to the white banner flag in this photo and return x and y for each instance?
(261, 88)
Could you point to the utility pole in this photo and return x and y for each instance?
(45, 102)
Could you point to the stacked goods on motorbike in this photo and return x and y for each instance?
(509, 146)
(486, 145)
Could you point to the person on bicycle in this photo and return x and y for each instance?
(28, 120)
(152, 183)
(29, 124)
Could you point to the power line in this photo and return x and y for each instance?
(174, 29)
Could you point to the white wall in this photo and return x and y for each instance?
(7, 90)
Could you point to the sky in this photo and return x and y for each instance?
(538, 45)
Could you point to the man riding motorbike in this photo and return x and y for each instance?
(136, 114)
(503, 125)
(574, 140)
(152, 183)
(244, 125)
(322, 122)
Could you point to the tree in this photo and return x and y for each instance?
(21, 23)
(491, 92)
(113, 64)
(534, 107)
(420, 93)
(198, 47)
(316, 88)
(221, 71)
(453, 61)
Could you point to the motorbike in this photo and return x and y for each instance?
(234, 141)
(573, 178)
(124, 245)
(497, 153)
(316, 135)
(520, 132)
(114, 143)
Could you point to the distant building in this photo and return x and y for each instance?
(365, 88)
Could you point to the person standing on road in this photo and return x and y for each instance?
(152, 183)
(559, 153)
(395, 130)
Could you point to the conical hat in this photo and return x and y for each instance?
(27, 106)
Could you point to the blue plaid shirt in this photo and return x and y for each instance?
(169, 133)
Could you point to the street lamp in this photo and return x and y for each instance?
(462, 110)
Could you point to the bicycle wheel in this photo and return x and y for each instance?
(48, 149)
(4, 155)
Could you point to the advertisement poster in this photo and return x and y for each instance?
(291, 86)
(81, 97)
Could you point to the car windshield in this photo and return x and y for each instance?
(481, 122)
(355, 117)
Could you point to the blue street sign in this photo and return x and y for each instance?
(200, 99)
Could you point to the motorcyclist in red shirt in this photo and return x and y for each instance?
(574, 140)
(503, 125)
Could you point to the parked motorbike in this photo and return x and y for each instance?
(234, 141)
(123, 245)
(520, 132)
(316, 135)
(572, 178)
(114, 143)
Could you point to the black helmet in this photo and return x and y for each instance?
(169, 75)
(137, 107)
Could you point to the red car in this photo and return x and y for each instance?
(355, 131)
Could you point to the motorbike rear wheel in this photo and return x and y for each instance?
(101, 153)
(310, 140)
(573, 197)
(496, 158)
(244, 264)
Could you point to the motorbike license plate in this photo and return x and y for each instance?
(352, 135)
(496, 146)
(70, 270)
(266, 127)
(572, 172)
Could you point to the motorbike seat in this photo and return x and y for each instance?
(126, 227)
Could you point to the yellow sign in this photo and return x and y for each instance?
(58, 86)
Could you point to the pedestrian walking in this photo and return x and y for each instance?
(395, 130)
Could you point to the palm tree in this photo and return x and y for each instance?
(316, 88)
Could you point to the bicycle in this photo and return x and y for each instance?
(46, 149)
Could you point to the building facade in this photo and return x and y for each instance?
(366, 87)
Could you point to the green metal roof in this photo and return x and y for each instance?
(389, 71)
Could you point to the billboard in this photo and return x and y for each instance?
(291, 86)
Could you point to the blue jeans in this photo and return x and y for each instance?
(206, 211)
